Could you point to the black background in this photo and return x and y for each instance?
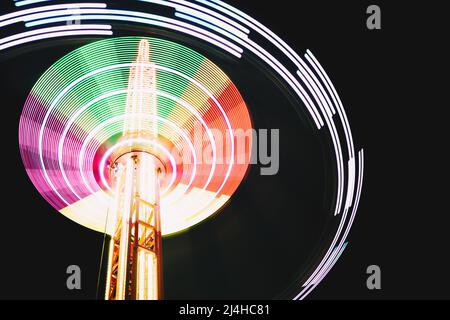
(381, 77)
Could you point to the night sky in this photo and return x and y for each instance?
(262, 243)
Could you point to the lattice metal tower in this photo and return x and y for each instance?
(135, 261)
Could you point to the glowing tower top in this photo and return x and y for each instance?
(141, 106)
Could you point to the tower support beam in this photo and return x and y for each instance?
(135, 262)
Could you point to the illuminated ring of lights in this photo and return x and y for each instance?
(228, 28)
(159, 93)
(182, 103)
(210, 101)
(112, 120)
(144, 141)
(59, 97)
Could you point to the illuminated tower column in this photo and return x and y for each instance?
(135, 261)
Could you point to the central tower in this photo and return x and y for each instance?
(135, 260)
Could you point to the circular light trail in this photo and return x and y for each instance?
(77, 108)
(236, 33)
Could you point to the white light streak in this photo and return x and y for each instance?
(14, 17)
(28, 2)
(55, 35)
(54, 29)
